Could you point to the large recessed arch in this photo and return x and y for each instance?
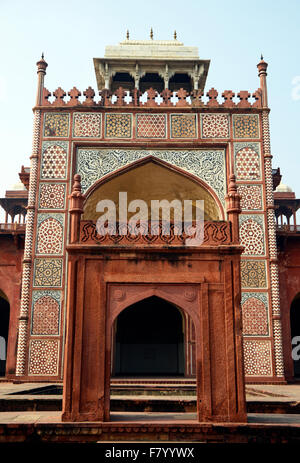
(152, 179)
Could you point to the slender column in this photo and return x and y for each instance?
(76, 209)
(233, 208)
(275, 295)
(27, 260)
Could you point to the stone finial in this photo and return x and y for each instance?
(76, 188)
(233, 208)
(151, 33)
(262, 66)
(262, 73)
(42, 65)
(75, 209)
(175, 35)
(127, 34)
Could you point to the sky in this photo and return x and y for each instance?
(232, 34)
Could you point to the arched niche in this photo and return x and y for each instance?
(152, 180)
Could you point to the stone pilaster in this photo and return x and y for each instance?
(27, 262)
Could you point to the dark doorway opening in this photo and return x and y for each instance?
(149, 340)
(151, 80)
(295, 333)
(122, 79)
(4, 324)
(178, 81)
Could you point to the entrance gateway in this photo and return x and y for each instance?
(110, 282)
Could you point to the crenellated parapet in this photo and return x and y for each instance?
(151, 98)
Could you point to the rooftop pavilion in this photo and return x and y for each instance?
(159, 64)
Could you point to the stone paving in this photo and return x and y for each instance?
(259, 393)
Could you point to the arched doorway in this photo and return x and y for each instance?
(295, 333)
(4, 324)
(149, 340)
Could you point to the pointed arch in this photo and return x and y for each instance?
(152, 178)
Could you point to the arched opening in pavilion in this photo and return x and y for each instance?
(149, 340)
(180, 80)
(4, 326)
(151, 80)
(295, 334)
(122, 79)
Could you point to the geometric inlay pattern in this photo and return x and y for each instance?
(253, 274)
(118, 125)
(208, 165)
(247, 163)
(183, 126)
(56, 125)
(255, 314)
(50, 234)
(43, 357)
(45, 312)
(54, 160)
(215, 125)
(87, 125)
(246, 126)
(52, 195)
(257, 358)
(252, 234)
(151, 126)
(251, 197)
(48, 272)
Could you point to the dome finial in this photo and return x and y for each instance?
(42, 55)
(127, 34)
(151, 34)
(175, 35)
(261, 57)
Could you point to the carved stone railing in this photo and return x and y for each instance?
(288, 228)
(215, 233)
(151, 98)
(12, 227)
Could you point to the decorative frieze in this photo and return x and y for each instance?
(52, 195)
(215, 126)
(257, 358)
(56, 125)
(247, 161)
(45, 312)
(208, 165)
(118, 125)
(251, 197)
(50, 233)
(245, 126)
(183, 126)
(255, 314)
(43, 357)
(54, 160)
(87, 125)
(252, 234)
(253, 273)
(48, 272)
(151, 125)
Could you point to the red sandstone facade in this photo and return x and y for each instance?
(104, 138)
